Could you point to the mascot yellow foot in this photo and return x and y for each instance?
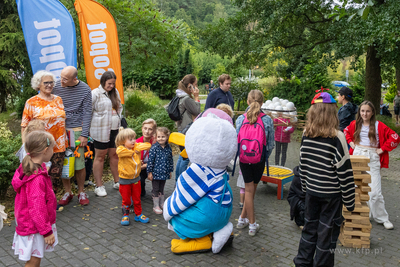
(191, 245)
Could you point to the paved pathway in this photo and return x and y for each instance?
(92, 235)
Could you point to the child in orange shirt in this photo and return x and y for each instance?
(129, 166)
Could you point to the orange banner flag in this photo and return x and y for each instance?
(99, 42)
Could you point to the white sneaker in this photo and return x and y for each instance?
(388, 225)
(116, 185)
(100, 191)
(253, 229)
(242, 223)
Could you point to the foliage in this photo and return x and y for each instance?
(27, 93)
(199, 13)
(140, 101)
(146, 36)
(301, 90)
(392, 92)
(162, 80)
(215, 73)
(184, 64)
(159, 114)
(240, 88)
(15, 69)
(204, 63)
(358, 87)
(8, 161)
(293, 29)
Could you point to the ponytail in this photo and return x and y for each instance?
(28, 166)
(255, 98)
(252, 113)
(35, 144)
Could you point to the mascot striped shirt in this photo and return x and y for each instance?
(193, 184)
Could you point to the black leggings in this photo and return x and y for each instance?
(278, 148)
(158, 187)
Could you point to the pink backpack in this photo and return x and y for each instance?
(251, 140)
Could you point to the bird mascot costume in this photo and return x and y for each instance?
(199, 209)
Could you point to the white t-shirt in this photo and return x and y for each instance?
(364, 139)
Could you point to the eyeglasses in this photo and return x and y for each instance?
(48, 83)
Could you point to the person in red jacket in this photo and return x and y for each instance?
(149, 127)
(283, 130)
(373, 139)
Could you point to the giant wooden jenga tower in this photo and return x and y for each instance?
(356, 230)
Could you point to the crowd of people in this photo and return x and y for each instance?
(68, 110)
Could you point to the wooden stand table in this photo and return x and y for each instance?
(278, 175)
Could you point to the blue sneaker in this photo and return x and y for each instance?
(125, 220)
(142, 218)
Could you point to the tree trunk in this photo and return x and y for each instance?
(373, 79)
(398, 77)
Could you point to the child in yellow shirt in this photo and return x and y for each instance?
(129, 167)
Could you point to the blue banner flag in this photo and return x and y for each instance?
(49, 33)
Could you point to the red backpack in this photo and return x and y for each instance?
(252, 140)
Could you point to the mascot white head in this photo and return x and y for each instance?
(211, 141)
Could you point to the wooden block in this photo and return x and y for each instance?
(365, 188)
(363, 195)
(362, 175)
(356, 229)
(360, 168)
(362, 207)
(354, 243)
(347, 214)
(355, 234)
(359, 159)
(357, 219)
(356, 225)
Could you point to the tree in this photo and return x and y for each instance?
(295, 28)
(147, 37)
(15, 70)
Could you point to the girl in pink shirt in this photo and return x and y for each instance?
(35, 202)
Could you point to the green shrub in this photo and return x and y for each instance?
(8, 161)
(358, 87)
(391, 93)
(240, 88)
(135, 105)
(159, 114)
(302, 90)
(163, 80)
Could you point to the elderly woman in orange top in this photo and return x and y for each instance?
(49, 108)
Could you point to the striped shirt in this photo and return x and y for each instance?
(325, 169)
(77, 105)
(193, 184)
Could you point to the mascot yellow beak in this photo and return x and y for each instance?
(178, 139)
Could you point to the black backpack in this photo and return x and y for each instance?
(173, 109)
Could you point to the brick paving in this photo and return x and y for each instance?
(92, 235)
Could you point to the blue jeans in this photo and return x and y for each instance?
(181, 166)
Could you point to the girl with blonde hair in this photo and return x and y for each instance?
(129, 166)
(252, 172)
(35, 202)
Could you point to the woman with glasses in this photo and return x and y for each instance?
(48, 108)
